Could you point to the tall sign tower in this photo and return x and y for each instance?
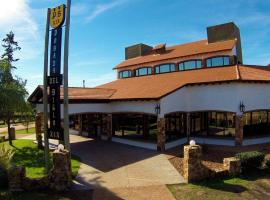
(56, 17)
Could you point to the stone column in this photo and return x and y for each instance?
(239, 130)
(80, 123)
(193, 168)
(107, 127)
(60, 178)
(38, 124)
(161, 134)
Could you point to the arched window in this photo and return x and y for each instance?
(143, 71)
(218, 61)
(125, 74)
(191, 64)
(164, 68)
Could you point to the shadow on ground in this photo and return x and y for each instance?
(108, 156)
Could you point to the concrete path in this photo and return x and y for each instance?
(117, 171)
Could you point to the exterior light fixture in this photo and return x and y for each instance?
(157, 109)
(242, 107)
(192, 143)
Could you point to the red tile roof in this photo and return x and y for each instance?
(158, 86)
(178, 51)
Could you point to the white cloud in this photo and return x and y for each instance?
(16, 16)
(102, 8)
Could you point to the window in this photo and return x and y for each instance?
(125, 74)
(192, 64)
(143, 71)
(218, 61)
(165, 68)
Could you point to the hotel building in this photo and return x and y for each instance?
(166, 95)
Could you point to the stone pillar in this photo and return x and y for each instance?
(80, 124)
(239, 130)
(16, 176)
(193, 168)
(60, 178)
(107, 127)
(161, 134)
(38, 125)
(233, 165)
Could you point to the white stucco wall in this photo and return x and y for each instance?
(134, 106)
(223, 97)
(113, 107)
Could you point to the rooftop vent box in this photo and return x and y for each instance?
(159, 49)
(137, 50)
(223, 32)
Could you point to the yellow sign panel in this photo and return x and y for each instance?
(57, 16)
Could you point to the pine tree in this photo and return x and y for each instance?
(12, 90)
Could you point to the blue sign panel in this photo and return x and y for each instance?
(55, 58)
(55, 81)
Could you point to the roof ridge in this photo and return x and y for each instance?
(238, 75)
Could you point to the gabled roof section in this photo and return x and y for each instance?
(178, 51)
(154, 87)
(76, 94)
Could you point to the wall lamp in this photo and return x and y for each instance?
(157, 109)
(242, 107)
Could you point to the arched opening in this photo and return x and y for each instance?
(256, 123)
(135, 126)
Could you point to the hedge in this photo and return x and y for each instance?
(250, 160)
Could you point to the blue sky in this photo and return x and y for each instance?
(101, 29)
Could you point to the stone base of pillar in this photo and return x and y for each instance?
(161, 135)
(107, 127)
(38, 124)
(238, 130)
(192, 167)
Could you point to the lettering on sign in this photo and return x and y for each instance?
(57, 16)
(55, 79)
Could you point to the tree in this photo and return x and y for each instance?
(12, 90)
(10, 46)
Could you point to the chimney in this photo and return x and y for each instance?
(223, 32)
(137, 50)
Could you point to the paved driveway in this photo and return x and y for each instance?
(117, 171)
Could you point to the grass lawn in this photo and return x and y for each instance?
(28, 155)
(255, 186)
(3, 125)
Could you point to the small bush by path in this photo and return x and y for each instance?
(250, 160)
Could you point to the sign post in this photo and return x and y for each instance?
(66, 50)
(52, 83)
(45, 95)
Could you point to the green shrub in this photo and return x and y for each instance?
(250, 160)
(6, 154)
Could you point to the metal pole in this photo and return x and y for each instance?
(66, 113)
(45, 94)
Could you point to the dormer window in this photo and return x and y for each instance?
(125, 74)
(191, 64)
(143, 71)
(218, 61)
(164, 68)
